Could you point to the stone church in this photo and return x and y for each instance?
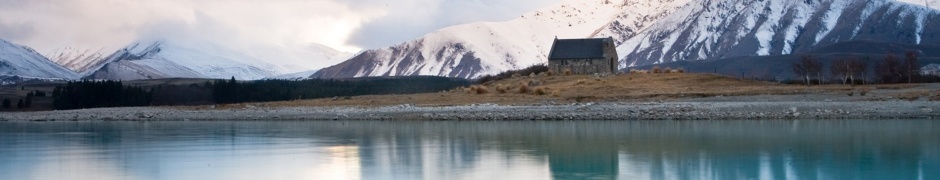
(583, 56)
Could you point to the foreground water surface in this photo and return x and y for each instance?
(843, 149)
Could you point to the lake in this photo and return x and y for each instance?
(830, 149)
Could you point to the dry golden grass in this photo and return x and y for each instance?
(915, 95)
(576, 88)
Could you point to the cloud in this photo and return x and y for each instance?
(408, 19)
(347, 25)
(17, 31)
(112, 24)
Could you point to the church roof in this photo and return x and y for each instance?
(578, 48)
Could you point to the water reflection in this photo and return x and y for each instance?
(896, 149)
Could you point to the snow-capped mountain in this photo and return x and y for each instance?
(477, 49)
(732, 28)
(173, 59)
(649, 32)
(77, 60)
(17, 60)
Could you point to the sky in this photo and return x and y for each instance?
(346, 25)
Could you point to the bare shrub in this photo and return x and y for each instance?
(555, 93)
(863, 92)
(481, 90)
(535, 83)
(568, 72)
(667, 70)
(524, 89)
(540, 91)
(500, 89)
(657, 70)
(680, 70)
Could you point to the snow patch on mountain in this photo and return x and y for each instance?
(77, 60)
(731, 28)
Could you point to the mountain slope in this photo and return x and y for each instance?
(732, 28)
(173, 59)
(16, 60)
(75, 59)
(650, 32)
(477, 49)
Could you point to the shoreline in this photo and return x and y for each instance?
(688, 109)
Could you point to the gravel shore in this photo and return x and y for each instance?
(684, 110)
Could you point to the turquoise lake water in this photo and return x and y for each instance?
(831, 149)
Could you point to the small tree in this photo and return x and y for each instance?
(888, 70)
(909, 67)
(29, 99)
(6, 103)
(840, 70)
(806, 68)
(860, 69)
(20, 104)
(848, 69)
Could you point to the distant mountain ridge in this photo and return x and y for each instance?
(22, 61)
(175, 59)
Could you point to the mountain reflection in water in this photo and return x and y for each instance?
(845, 149)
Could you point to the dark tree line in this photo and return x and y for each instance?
(851, 70)
(23, 103)
(172, 95)
(6, 103)
(231, 91)
(95, 94)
